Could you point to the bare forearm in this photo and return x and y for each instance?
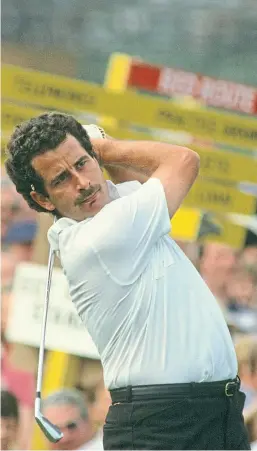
(118, 174)
(176, 167)
(138, 157)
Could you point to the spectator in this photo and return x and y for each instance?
(240, 289)
(251, 425)
(249, 258)
(216, 264)
(8, 263)
(19, 239)
(10, 202)
(246, 350)
(98, 400)
(22, 385)
(9, 420)
(101, 404)
(241, 292)
(13, 207)
(67, 409)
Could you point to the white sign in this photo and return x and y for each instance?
(65, 331)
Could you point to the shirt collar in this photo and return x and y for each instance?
(113, 190)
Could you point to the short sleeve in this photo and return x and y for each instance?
(126, 231)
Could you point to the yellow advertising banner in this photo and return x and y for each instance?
(191, 225)
(222, 165)
(215, 164)
(13, 114)
(219, 198)
(188, 224)
(61, 93)
(204, 195)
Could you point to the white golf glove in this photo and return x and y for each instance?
(94, 131)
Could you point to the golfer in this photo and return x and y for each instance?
(167, 355)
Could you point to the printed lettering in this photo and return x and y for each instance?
(208, 125)
(212, 197)
(214, 164)
(173, 118)
(54, 92)
(241, 133)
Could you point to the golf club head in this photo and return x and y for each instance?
(51, 431)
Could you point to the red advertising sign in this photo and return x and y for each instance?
(211, 91)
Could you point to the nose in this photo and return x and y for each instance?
(81, 182)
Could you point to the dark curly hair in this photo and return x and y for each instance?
(34, 137)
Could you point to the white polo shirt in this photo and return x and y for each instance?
(149, 312)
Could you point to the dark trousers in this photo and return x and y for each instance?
(192, 422)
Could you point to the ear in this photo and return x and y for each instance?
(42, 200)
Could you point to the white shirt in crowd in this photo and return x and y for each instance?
(150, 314)
(96, 443)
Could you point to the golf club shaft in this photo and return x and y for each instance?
(42, 341)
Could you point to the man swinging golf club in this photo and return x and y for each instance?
(167, 355)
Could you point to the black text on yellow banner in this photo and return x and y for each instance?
(66, 94)
(209, 196)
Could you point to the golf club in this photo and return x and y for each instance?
(51, 431)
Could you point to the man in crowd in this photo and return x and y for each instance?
(168, 358)
(9, 420)
(216, 264)
(67, 409)
(246, 349)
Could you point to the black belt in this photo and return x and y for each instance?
(195, 389)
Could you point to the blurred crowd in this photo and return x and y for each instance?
(80, 413)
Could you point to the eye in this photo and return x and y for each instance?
(80, 164)
(61, 178)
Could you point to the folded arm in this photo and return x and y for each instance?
(175, 166)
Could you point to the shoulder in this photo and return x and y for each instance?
(57, 228)
(124, 189)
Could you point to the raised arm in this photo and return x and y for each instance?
(176, 167)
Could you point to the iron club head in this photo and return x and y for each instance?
(51, 431)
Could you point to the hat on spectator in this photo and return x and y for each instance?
(21, 232)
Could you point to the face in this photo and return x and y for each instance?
(101, 405)
(73, 180)
(218, 257)
(240, 287)
(9, 429)
(76, 430)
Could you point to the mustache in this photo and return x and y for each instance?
(86, 193)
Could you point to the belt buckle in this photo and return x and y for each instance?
(228, 386)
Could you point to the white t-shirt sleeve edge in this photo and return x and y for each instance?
(156, 182)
